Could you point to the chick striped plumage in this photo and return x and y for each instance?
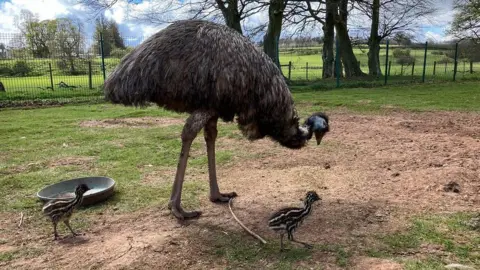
(61, 210)
(287, 220)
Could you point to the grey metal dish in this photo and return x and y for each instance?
(100, 189)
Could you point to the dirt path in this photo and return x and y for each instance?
(372, 172)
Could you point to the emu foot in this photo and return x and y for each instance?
(222, 197)
(181, 214)
(308, 246)
(77, 234)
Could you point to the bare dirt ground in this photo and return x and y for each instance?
(372, 172)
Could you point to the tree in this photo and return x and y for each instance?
(68, 43)
(389, 17)
(274, 29)
(39, 35)
(402, 38)
(466, 22)
(328, 27)
(333, 16)
(3, 51)
(349, 60)
(112, 39)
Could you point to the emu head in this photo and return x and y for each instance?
(81, 189)
(312, 196)
(316, 124)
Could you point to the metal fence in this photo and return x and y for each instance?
(404, 64)
(67, 71)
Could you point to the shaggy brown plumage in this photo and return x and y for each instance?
(211, 72)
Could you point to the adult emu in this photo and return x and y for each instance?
(211, 72)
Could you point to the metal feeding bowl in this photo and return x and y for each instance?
(100, 189)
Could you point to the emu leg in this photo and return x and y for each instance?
(193, 125)
(55, 230)
(306, 245)
(67, 223)
(210, 134)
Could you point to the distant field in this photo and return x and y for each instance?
(299, 62)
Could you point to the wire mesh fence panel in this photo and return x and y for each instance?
(60, 69)
(71, 66)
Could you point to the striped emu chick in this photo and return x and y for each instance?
(61, 210)
(286, 220)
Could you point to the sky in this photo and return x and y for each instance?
(51, 9)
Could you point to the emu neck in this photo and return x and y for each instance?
(77, 200)
(307, 206)
(309, 131)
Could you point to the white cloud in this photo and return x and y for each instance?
(437, 37)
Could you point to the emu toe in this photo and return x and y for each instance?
(181, 214)
(222, 197)
(308, 246)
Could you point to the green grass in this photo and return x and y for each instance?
(457, 242)
(52, 134)
(463, 96)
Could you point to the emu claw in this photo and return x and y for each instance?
(181, 214)
(222, 197)
(308, 246)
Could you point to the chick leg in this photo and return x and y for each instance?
(67, 223)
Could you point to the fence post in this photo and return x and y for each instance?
(434, 67)
(424, 61)
(306, 72)
(51, 75)
(337, 62)
(90, 75)
(289, 70)
(413, 68)
(386, 62)
(446, 64)
(103, 56)
(456, 63)
(471, 67)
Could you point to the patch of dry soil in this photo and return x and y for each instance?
(371, 172)
(138, 122)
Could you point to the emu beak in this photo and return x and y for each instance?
(319, 136)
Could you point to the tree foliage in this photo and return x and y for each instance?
(112, 39)
(466, 22)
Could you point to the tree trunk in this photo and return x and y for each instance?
(328, 55)
(231, 15)
(272, 36)
(374, 42)
(349, 60)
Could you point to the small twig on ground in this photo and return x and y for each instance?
(21, 220)
(243, 226)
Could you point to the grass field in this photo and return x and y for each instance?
(367, 217)
(442, 71)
